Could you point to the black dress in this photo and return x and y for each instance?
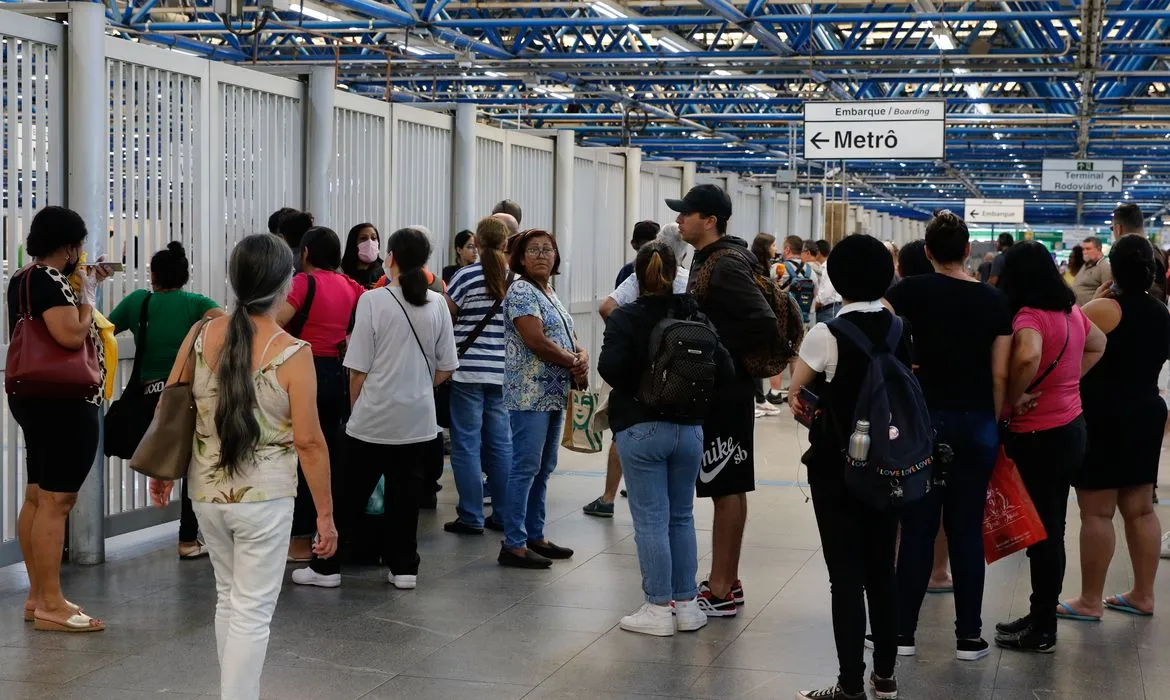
(1124, 412)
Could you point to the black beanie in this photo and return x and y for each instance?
(861, 268)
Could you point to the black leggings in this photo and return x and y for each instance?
(858, 544)
(1046, 461)
(60, 440)
(333, 412)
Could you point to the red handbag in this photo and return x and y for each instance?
(1010, 520)
(39, 367)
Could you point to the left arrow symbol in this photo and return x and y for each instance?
(818, 139)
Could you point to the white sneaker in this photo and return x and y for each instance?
(767, 409)
(689, 615)
(403, 582)
(650, 619)
(308, 577)
(1166, 546)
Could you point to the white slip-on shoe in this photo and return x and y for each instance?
(404, 582)
(650, 619)
(308, 577)
(689, 616)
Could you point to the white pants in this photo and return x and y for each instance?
(248, 544)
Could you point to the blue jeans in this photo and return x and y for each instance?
(661, 462)
(536, 437)
(975, 440)
(481, 441)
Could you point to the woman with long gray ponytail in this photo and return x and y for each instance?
(255, 395)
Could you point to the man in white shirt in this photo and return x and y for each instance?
(828, 301)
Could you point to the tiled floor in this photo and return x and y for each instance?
(475, 631)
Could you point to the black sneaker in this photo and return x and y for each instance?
(1029, 639)
(493, 524)
(834, 693)
(1015, 626)
(530, 559)
(459, 527)
(550, 550)
(971, 649)
(884, 688)
(714, 606)
(906, 645)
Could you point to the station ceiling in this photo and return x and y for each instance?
(723, 82)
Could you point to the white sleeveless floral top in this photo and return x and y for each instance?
(273, 471)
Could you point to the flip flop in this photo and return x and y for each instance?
(79, 622)
(1064, 611)
(31, 615)
(1123, 605)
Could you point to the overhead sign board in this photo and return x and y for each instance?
(994, 211)
(1082, 175)
(880, 130)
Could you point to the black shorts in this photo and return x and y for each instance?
(60, 440)
(728, 465)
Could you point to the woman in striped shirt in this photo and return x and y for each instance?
(481, 437)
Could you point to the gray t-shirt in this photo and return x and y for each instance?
(396, 405)
(996, 266)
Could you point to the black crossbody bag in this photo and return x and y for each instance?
(128, 418)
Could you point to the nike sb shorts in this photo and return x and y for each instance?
(728, 465)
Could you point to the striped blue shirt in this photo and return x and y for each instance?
(483, 363)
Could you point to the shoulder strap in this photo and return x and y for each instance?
(140, 341)
(1044, 375)
(412, 330)
(268, 346)
(703, 276)
(297, 323)
(464, 346)
(863, 343)
(563, 321)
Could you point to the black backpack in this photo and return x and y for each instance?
(898, 468)
(680, 379)
(802, 287)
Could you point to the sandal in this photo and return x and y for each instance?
(30, 614)
(196, 550)
(77, 622)
(1120, 604)
(1064, 611)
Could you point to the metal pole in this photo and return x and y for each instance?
(793, 213)
(633, 193)
(688, 176)
(320, 160)
(818, 207)
(767, 207)
(565, 155)
(463, 168)
(87, 193)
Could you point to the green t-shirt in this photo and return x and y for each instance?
(169, 318)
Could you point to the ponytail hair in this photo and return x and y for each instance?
(491, 235)
(656, 267)
(411, 247)
(260, 271)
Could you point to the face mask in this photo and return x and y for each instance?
(71, 266)
(367, 251)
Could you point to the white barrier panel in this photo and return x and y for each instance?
(657, 184)
(362, 144)
(805, 220)
(780, 217)
(597, 248)
(257, 153)
(748, 213)
(531, 178)
(491, 181)
(31, 86)
(421, 165)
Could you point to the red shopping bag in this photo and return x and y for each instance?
(1010, 521)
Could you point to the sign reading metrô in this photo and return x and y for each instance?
(1082, 175)
(875, 130)
(993, 211)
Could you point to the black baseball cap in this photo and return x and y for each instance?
(704, 199)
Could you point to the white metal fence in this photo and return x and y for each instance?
(362, 144)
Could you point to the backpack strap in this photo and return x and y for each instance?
(140, 341)
(863, 343)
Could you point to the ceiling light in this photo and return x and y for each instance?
(671, 45)
(607, 10)
(315, 14)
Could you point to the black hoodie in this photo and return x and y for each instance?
(734, 303)
(625, 355)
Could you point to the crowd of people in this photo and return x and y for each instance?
(330, 377)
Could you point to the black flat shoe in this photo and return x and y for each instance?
(529, 560)
(550, 550)
(493, 524)
(459, 527)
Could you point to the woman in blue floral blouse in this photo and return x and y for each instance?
(542, 357)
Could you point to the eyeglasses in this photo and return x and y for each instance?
(545, 252)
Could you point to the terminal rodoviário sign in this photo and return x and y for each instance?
(874, 130)
(1082, 175)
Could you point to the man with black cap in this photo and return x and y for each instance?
(724, 283)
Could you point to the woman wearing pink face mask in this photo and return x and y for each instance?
(362, 262)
